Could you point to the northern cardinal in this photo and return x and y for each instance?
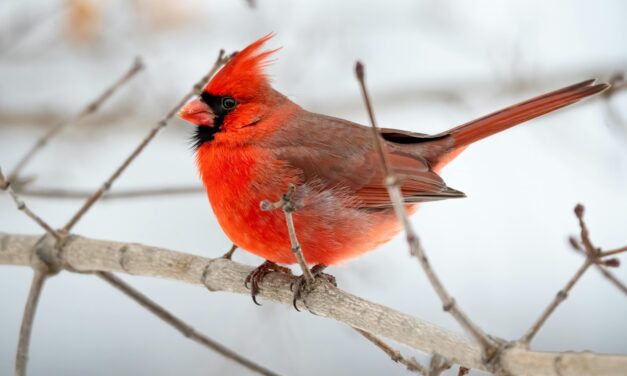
(252, 142)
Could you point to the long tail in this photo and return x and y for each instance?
(488, 125)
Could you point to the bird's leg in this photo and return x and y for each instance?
(257, 275)
(299, 283)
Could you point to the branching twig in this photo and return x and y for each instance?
(181, 326)
(593, 255)
(393, 186)
(89, 109)
(21, 359)
(196, 90)
(288, 208)
(5, 185)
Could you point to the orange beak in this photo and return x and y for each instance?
(197, 112)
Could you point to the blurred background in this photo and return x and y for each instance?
(431, 65)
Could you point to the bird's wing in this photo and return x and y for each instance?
(335, 153)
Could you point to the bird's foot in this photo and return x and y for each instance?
(299, 283)
(257, 275)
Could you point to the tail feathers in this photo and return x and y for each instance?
(488, 125)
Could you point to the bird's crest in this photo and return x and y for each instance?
(243, 76)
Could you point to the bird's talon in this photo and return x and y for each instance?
(299, 283)
(257, 275)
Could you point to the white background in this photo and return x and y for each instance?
(502, 251)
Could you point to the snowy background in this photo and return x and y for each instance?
(431, 65)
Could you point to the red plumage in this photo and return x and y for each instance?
(253, 142)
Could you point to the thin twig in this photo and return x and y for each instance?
(5, 185)
(229, 254)
(179, 325)
(393, 186)
(612, 278)
(559, 298)
(395, 355)
(86, 111)
(613, 252)
(196, 90)
(21, 358)
(61, 193)
(437, 365)
(600, 266)
(592, 256)
(288, 208)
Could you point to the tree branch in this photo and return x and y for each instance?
(21, 358)
(88, 255)
(393, 186)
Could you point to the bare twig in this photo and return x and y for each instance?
(181, 326)
(21, 358)
(196, 90)
(593, 254)
(288, 208)
(393, 186)
(613, 252)
(89, 109)
(612, 278)
(559, 298)
(600, 267)
(395, 355)
(89, 255)
(5, 185)
(229, 254)
(60, 193)
(437, 365)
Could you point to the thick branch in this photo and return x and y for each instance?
(83, 254)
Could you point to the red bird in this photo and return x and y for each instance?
(252, 142)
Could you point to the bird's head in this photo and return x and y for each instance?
(238, 96)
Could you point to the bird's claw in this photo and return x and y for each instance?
(257, 275)
(299, 283)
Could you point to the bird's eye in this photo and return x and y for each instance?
(228, 103)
